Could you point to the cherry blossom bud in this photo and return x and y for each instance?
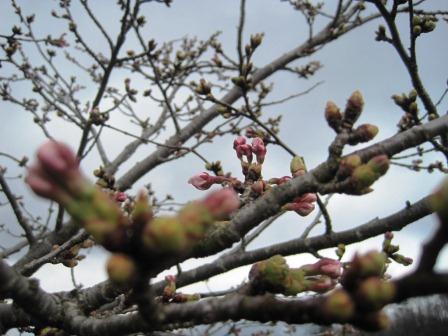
(120, 197)
(374, 293)
(353, 108)
(379, 164)
(302, 205)
(259, 149)
(222, 202)
(279, 180)
(338, 306)
(297, 166)
(325, 266)
(55, 175)
(202, 181)
(258, 187)
(321, 284)
(242, 148)
(333, 115)
(239, 141)
(121, 269)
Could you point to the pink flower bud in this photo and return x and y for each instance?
(324, 266)
(222, 202)
(322, 284)
(120, 196)
(242, 148)
(55, 175)
(283, 179)
(202, 181)
(239, 141)
(259, 149)
(302, 205)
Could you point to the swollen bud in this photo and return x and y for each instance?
(348, 165)
(364, 133)
(374, 293)
(353, 108)
(121, 269)
(363, 177)
(297, 166)
(379, 164)
(333, 116)
(255, 40)
(338, 306)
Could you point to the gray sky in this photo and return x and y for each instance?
(356, 61)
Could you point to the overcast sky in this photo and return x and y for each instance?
(356, 61)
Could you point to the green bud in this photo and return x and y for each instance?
(121, 269)
(412, 95)
(365, 132)
(333, 115)
(417, 30)
(338, 307)
(374, 293)
(165, 235)
(379, 164)
(348, 164)
(363, 177)
(255, 40)
(297, 166)
(354, 107)
(340, 251)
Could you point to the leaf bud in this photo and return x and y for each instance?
(365, 132)
(363, 177)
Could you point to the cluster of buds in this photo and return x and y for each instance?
(362, 176)
(253, 185)
(423, 24)
(203, 88)
(363, 295)
(56, 176)
(391, 251)
(105, 180)
(338, 120)
(275, 276)
(408, 103)
(97, 118)
(170, 295)
(71, 257)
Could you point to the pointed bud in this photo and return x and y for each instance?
(255, 40)
(333, 115)
(259, 149)
(142, 212)
(121, 269)
(353, 108)
(297, 166)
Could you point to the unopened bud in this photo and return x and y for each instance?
(348, 165)
(354, 107)
(374, 293)
(365, 132)
(338, 306)
(333, 115)
(121, 269)
(379, 164)
(297, 166)
(363, 177)
(255, 40)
